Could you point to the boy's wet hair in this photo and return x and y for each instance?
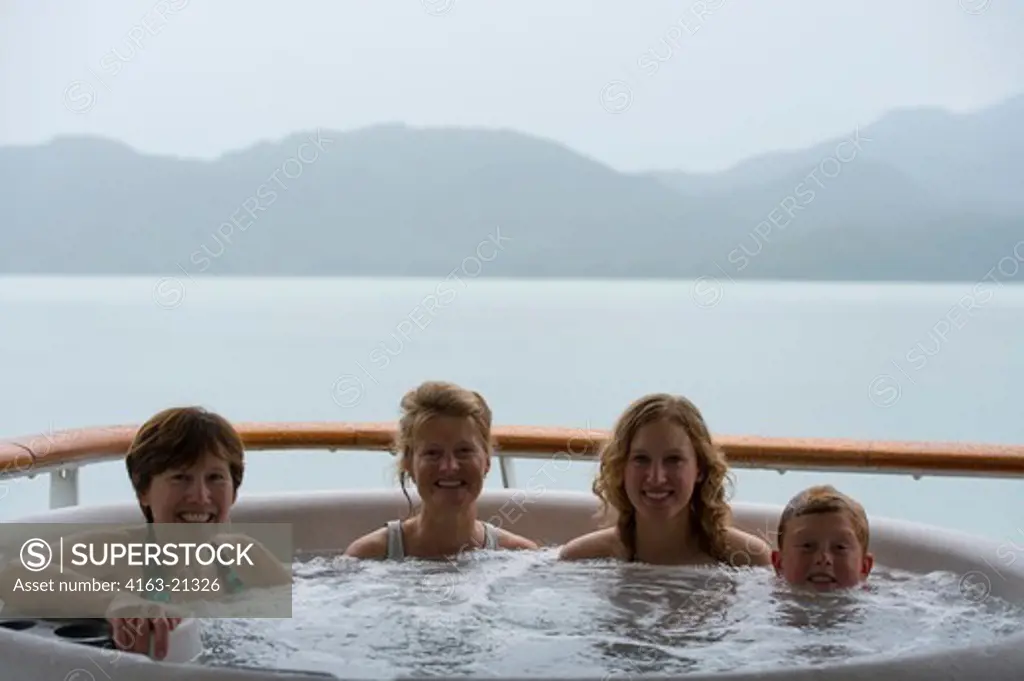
(826, 499)
(177, 438)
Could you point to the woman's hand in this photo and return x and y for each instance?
(139, 626)
(138, 634)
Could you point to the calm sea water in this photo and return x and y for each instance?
(774, 359)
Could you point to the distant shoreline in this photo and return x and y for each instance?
(881, 204)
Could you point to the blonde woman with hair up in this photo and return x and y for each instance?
(444, 448)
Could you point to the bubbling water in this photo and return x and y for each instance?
(519, 614)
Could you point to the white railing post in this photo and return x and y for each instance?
(64, 487)
(508, 478)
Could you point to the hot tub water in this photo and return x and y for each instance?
(523, 614)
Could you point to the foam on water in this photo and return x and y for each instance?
(523, 614)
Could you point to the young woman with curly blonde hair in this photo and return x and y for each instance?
(665, 482)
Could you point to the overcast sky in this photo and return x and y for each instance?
(701, 86)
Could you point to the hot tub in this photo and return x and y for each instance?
(324, 523)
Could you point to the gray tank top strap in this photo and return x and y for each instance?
(491, 536)
(396, 548)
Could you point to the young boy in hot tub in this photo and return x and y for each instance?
(823, 541)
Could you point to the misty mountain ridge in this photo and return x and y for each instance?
(920, 194)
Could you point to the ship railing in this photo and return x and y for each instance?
(61, 454)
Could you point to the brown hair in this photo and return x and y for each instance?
(710, 510)
(177, 438)
(826, 499)
(429, 400)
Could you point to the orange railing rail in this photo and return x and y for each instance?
(62, 453)
(71, 448)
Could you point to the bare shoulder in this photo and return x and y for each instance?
(746, 550)
(373, 545)
(595, 545)
(510, 540)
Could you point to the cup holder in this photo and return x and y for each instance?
(89, 632)
(95, 633)
(17, 625)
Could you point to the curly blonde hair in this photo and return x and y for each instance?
(709, 505)
(429, 400)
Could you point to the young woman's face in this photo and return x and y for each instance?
(661, 470)
(201, 493)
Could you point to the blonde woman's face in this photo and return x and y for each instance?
(449, 462)
(661, 470)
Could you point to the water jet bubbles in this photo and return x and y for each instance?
(438, 587)
(718, 583)
(975, 586)
(627, 670)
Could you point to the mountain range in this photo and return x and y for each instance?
(918, 195)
